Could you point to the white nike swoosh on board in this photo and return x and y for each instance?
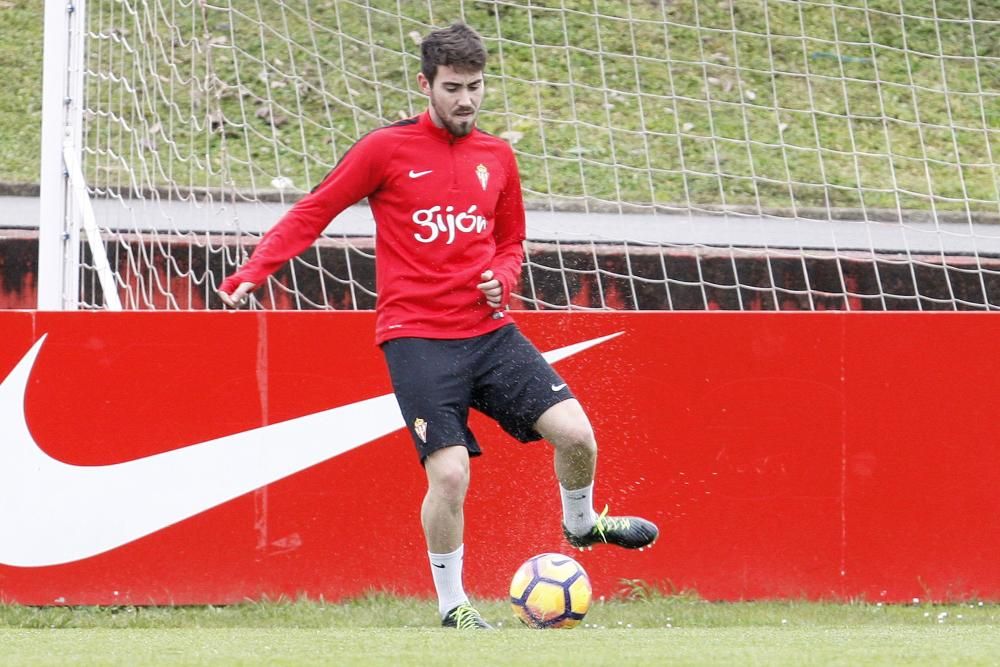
(418, 174)
(53, 512)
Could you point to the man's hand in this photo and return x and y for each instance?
(238, 297)
(491, 288)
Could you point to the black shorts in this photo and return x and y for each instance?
(500, 374)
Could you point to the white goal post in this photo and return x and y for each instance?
(713, 154)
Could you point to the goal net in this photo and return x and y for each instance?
(715, 154)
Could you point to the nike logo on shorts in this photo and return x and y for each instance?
(558, 387)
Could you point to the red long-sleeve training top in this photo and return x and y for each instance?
(446, 209)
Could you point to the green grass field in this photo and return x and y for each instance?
(837, 103)
(384, 630)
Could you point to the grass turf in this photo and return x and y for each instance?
(382, 629)
(813, 645)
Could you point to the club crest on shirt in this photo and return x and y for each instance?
(483, 174)
(420, 428)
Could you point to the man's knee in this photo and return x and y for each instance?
(578, 438)
(566, 426)
(448, 472)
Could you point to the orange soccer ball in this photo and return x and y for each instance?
(550, 591)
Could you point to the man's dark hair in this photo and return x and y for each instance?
(457, 46)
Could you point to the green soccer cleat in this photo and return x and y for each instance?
(629, 532)
(465, 617)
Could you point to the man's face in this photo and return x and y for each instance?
(455, 97)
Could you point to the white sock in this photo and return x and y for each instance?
(578, 509)
(447, 572)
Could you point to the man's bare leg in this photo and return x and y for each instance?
(566, 426)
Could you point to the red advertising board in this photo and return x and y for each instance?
(214, 457)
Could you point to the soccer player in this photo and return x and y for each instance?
(446, 198)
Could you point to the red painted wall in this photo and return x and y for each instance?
(821, 455)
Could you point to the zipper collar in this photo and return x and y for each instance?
(427, 123)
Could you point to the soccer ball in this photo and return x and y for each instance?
(550, 591)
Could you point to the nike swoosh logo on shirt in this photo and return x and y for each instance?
(55, 512)
(418, 174)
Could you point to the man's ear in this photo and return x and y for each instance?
(425, 85)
